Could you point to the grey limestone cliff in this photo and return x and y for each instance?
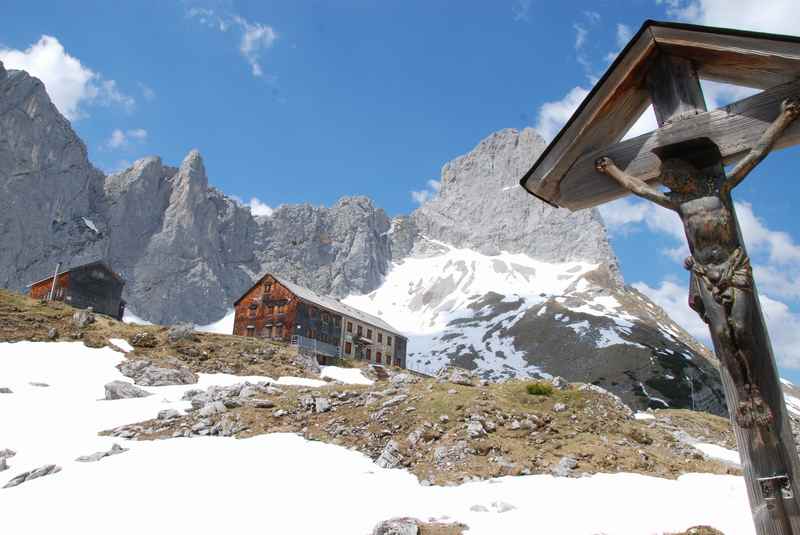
(186, 250)
(481, 206)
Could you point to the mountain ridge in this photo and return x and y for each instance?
(188, 251)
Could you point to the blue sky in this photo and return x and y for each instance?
(310, 101)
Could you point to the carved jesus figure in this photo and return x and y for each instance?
(721, 287)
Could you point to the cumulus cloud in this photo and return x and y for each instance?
(673, 298)
(553, 115)
(254, 37)
(779, 16)
(783, 325)
(433, 187)
(71, 85)
(258, 208)
(123, 138)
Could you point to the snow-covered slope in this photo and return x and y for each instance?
(509, 315)
(217, 484)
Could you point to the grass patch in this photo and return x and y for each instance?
(539, 389)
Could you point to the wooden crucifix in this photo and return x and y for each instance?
(586, 165)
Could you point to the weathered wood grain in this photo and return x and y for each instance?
(734, 128)
(744, 58)
(610, 112)
(760, 62)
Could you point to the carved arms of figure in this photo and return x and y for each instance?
(637, 186)
(790, 110)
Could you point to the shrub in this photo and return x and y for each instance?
(539, 389)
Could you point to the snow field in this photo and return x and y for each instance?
(280, 483)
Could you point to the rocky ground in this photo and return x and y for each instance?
(446, 430)
(453, 429)
(22, 318)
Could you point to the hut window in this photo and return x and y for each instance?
(337, 322)
(350, 326)
(325, 317)
(312, 312)
(348, 348)
(251, 330)
(251, 313)
(360, 332)
(380, 338)
(389, 340)
(279, 331)
(378, 357)
(268, 288)
(369, 334)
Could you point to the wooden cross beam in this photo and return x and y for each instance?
(735, 129)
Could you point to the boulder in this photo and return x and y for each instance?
(397, 526)
(181, 331)
(390, 456)
(475, 429)
(146, 373)
(215, 407)
(308, 363)
(559, 383)
(458, 376)
(94, 457)
(564, 467)
(42, 471)
(168, 414)
(143, 339)
(124, 390)
(82, 318)
(5, 390)
(322, 405)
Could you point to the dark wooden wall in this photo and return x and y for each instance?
(259, 308)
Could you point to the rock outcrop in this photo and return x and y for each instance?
(186, 250)
(481, 206)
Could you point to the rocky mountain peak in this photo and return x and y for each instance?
(482, 206)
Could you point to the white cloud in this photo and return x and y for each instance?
(553, 115)
(258, 208)
(775, 16)
(673, 298)
(624, 34)
(70, 85)
(580, 35)
(433, 187)
(783, 325)
(120, 139)
(254, 39)
(784, 330)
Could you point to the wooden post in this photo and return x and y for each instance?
(53, 286)
(727, 300)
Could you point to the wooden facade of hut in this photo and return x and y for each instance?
(90, 285)
(278, 309)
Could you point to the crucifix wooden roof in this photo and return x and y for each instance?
(564, 175)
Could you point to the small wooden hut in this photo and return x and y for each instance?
(90, 285)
